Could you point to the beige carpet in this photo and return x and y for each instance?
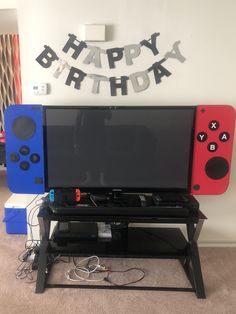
(218, 265)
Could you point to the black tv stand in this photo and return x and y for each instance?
(136, 242)
(129, 204)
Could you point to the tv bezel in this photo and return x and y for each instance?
(104, 190)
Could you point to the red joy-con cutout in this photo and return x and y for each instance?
(214, 133)
(77, 195)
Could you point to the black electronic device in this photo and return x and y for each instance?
(166, 198)
(74, 231)
(119, 149)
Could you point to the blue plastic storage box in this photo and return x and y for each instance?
(15, 219)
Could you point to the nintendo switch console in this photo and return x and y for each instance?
(181, 148)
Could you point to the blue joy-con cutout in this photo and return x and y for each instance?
(51, 195)
(24, 149)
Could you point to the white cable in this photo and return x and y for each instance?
(69, 274)
(88, 270)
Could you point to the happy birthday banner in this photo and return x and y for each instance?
(140, 80)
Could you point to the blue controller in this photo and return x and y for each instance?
(24, 148)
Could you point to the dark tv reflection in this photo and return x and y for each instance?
(118, 148)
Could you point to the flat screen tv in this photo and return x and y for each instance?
(122, 148)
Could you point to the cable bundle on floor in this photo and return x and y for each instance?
(90, 267)
(27, 258)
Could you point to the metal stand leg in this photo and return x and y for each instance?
(42, 267)
(194, 273)
(197, 272)
(188, 271)
(43, 262)
(44, 228)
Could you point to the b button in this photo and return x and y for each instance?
(202, 136)
(24, 165)
(224, 136)
(212, 147)
(214, 125)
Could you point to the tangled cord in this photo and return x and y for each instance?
(28, 263)
(84, 271)
(25, 270)
(27, 267)
(79, 272)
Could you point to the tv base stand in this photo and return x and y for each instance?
(167, 243)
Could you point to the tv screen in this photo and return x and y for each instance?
(127, 148)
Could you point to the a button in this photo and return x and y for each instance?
(224, 136)
(24, 165)
(24, 150)
(14, 157)
(202, 136)
(212, 147)
(34, 158)
(214, 125)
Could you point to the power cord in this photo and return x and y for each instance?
(109, 280)
(84, 271)
(26, 268)
(28, 258)
(92, 200)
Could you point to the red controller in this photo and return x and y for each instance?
(212, 151)
(2, 137)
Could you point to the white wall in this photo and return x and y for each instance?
(9, 4)
(8, 21)
(207, 33)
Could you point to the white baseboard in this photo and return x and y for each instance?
(217, 244)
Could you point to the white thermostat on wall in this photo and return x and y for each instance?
(40, 89)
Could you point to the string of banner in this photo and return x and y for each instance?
(140, 80)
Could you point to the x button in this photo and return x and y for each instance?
(214, 125)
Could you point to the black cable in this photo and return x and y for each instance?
(98, 269)
(25, 270)
(107, 279)
(33, 209)
(92, 200)
(65, 261)
(74, 262)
